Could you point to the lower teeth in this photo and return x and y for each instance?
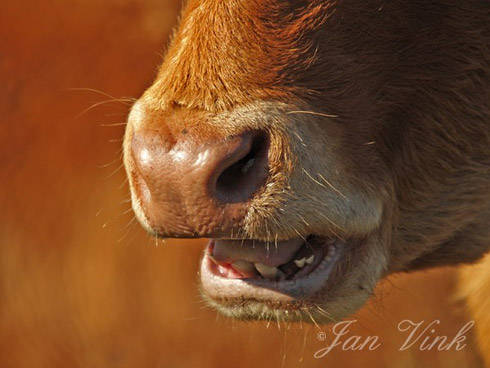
(269, 272)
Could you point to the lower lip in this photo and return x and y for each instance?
(227, 289)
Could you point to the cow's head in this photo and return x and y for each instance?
(311, 140)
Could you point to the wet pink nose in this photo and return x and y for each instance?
(189, 184)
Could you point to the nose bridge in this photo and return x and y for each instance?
(177, 162)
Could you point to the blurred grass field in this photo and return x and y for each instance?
(81, 285)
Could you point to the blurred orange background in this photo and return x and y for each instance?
(81, 285)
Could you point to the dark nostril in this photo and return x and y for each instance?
(239, 181)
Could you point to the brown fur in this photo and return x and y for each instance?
(380, 113)
(80, 284)
(412, 77)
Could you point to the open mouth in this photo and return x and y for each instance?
(274, 272)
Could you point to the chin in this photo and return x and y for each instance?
(316, 279)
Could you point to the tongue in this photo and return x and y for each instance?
(256, 251)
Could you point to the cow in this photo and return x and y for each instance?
(320, 145)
